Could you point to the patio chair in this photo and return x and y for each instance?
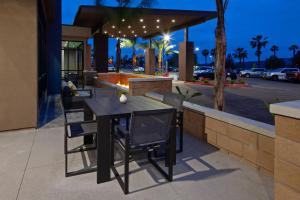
(176, 100)
(148, 130)
(72, 102)
(74, 130)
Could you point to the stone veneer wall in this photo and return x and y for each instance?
(287, 150)
(253, 147)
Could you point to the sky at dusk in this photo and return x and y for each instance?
(276, 19)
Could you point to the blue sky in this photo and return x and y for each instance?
(276, 19)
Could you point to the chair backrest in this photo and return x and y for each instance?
(175, 100)
(151, 127)
(105, 92)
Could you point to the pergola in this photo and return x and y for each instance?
(115, 22)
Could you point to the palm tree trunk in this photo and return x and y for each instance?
(220, 57)
(118, 55)
(258, 60)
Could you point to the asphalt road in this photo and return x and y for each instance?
(251, 102)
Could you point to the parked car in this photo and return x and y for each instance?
(293, 76)
(254, 72)
(111, 68)
(204, 73)
(210, 74)
(139, 69)
(199, 69)
(279, 74)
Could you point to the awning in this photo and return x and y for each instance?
(138, 22)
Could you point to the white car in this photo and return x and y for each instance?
(254, 72)
(279, 74)
(139, 69)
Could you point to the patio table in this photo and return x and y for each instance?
(107, 108)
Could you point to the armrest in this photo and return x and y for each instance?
(81, 122)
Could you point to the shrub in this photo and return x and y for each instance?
(241, 81)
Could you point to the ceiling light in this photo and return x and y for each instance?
(129, 26)
(141, 20)
(120, 32)
(124, 35)
(105, 32)
(123, 20)
(132, 31)
(135, 35)
(113, 26)
(144, 27)
(157, 27)
(145, 31)
(112, 35)
(173, 20)
(158, 20)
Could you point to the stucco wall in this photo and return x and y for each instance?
(18, 64)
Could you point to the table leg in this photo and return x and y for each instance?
(88, 115)
(171, 148)
(103, 149)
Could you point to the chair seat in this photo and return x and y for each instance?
(121, 133)
(81, 129)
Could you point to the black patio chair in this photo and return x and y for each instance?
(74, 130)
(176, 100)
(148, 130)
(71, 102)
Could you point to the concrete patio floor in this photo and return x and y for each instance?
(32, 168)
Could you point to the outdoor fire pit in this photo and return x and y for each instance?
(134, 84)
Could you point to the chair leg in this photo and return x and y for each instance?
(169, 175)
(126, 167)
(112, 135)
(66, 152)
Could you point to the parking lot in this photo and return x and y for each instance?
(251, 102)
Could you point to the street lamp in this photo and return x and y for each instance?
(197, 49)
(167, 38)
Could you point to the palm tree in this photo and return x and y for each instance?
(293, 48)
(258, 42)
(220, 56)
(205, 53)
(130, 43)
(163, 48)
(239, 53)
(274, 49)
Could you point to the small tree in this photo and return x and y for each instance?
(274, 49)
(273, 62)
(240, 54)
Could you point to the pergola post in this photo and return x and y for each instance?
(101, 52)
(186, 58)
(150, 61)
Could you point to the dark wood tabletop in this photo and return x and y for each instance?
(111, 106)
